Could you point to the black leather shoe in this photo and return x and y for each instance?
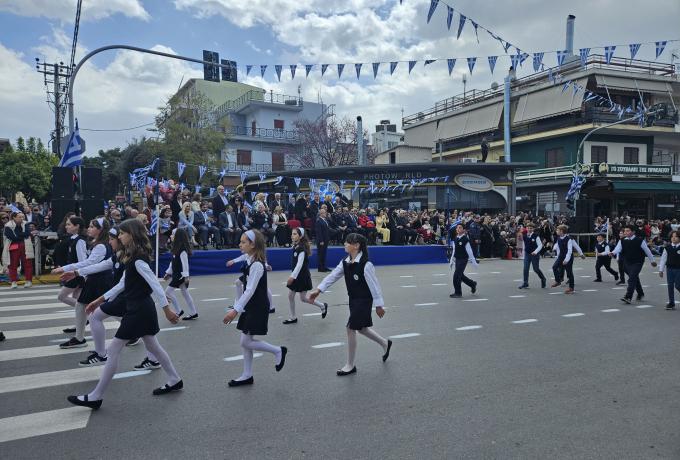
(670, 306)
(284, 352)
(290, 321)
(387, 353)
(190, 317)
(325, 310)
(626, 300)
(2, 337)
(597, 280)
(238, 383)
(94, 405)
(341, 373)
(523, 286)
(181, 312)
(474, 288)
(272, 310)
(455, 296)
(167, 388)
(69, 330)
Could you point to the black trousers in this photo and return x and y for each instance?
(459, 276)
(321, 254)
(633, 271)
(532, 261)
(606, 262)
(559, 269)
(622, 269)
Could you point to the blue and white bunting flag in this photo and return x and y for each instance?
(248, 69)
(451, 63)
(182, 186)
(297, 181)
(560, 57)
(461, 24)
(312, 184)
(660, 46)
(293, 68)
(411, 65)
(393, 66)
(433, 7)
(514, 61)
(323, 68)
(278, 180)
(133, 179)
(538, 61)
(376, 66)
(222, 173)
(476, 26)
(252, 196)
(340, 69)
(357, 67)
(386, 184)
(449, 17)
(429, 61)
(212, 191)
(308, 68)
(356, 185)
(634, 48)
(566, 86)
(371, 185)
(506, 45)
(278, 68)
(413, 183)
(471, 63)
(583, 53)
(492, 62)
(263, 69)
(262, 176)
(180, 168)
(201, 171)
(74, 152)
(609, 53)
(590, 96)
(522, 57)
(243, 175)
(197, 187)
(153, 227)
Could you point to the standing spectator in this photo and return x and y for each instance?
(485, 149)
(322, 240)
(301, 208)
(474, 232)
(280, 226)
(314, 207)
(34, 217)
(18, 247)
(220, 202)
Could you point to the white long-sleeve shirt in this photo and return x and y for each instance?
(606, 251)
(254, 274)
(149, 276)
(81, 248)
(106, 264)
(539, 244)
(573, 245)
(97, 255)
(298, 265)
(184, 257)
(643, 245)
(468, 249)
(369, 273)
(664, 257)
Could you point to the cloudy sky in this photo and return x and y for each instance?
(118, 90)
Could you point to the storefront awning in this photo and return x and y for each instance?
(548, 102)
(632, 84)
(479, 120)
(646, 186)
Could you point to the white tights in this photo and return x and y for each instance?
(248, 343)
(68, 295)
(352, 344)
(99, 334)
(238, 287)
(170, 294)
(304, 298)
(114, 349)
(81, 319)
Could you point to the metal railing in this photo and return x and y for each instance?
(267, 133)
(562, 172)
(257, 96)
(253, 167)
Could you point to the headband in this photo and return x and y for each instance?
(113, 232)
(301, 230)
(251, 235)
(100, 221)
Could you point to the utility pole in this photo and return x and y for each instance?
(57, 75)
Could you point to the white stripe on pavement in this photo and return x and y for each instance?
(28, 318)
(590, 290)
(56, 378)
(644, 306)
(215, 299)
(328, 345)
(40, 352)
(42, 423)
(409, 286)
(524, 321)
(439, 274)
(312, 314)
(468, 328)
(19, 293)
(34, 307)
(516, 296)
(405, 276)
(572, 315)
(427, 304)
(439, 284)
(37, 297)
(404, 336)
(240, 357)
(475, 300)
(57, 330)
(610, 310)
(89, 337)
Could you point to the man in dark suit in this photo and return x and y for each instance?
(243, 220)
(322, 239)
(205, 226)
(301, 208)
(220, 202)
(229, 230)
(314, 207)
(34, 217)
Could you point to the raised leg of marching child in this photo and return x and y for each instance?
(178, 273)
(300, 279)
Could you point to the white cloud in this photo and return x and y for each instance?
(65, 10)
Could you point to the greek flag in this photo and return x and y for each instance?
(634, 48)
(308, 68)
(74, 152)
(433, 7)
(560, 57)
(492, 62)
(584, 52)
(201, 171)
(576, 184)
(451, 63)
(604, 228)
(538, 61)
(471, 63)
(154, 224)
(357, 67)
(660, 46)
(376, 65)
(609, 53)
(277, 68)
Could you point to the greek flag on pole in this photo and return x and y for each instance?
(576, 184)
(154, 224)
(604, 228)
(660, 46)
(74, 152)
(634, 48)
(514, 59)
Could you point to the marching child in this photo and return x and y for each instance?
(253, 306)
(139, 320)
(364, 294)
(178, 272)
(76, 251)
(670, 261)
(603, 259)
(238, 284)
(300, 280)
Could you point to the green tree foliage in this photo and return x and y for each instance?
(27, 167)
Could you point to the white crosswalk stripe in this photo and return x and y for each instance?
(34, 307)
(45, 331)
(35, 297)
(28, 292)
(57, 378)
(42, 423)
(29, 318)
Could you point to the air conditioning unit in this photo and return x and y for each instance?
(469, 160)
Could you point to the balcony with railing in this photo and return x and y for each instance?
(262, 134)
(258, 97)
(233, 168)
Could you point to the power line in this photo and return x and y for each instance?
(121, 129)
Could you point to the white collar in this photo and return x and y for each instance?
(349, 260)
(73, 237)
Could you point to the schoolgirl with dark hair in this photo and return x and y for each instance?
(300, 280)
(178, 273)
(141, 288)
(76, 251)
(364, 293)
(95, 284)
(253, 306)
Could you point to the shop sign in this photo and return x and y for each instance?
(647, 170)
(473, 182)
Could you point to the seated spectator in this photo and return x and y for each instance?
(205, 226)
(229, 227)
(425, 231)
(280, 227)
(261, 222)
(367, 227)
(382, 223)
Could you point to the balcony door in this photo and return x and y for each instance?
(278, 161)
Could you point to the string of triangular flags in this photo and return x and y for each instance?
(324, 186)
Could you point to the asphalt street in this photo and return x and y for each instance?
(500, 374)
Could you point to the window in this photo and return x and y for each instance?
(598, 154)
(631, 155)
(393, 158)
(278, 124)
(554, 157)
(243, 157)
(278, 161)
(253, 127)
(392, 144)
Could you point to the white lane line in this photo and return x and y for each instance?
(57, 330)
(517, 281)
(34, 307)
(644, 306)
(555, 293)
(439, 284)
(56, 378)
(409, 286)
(468, 328)
(439, 274)
(585, 276)
(279, 295)
(610, 310)
(240, 357)
(27, 318)
(493, 273)
(475, 300)
(42, 423)
(618, 288)
(312, 314)
(405, 276)
(472, 273)
(37, 297)
(328, 345)
(516, 296)
(663, 284)
(18, 293)
(404, 336)
(645, 285)
(427, 304)
(40, 352)
(590, 290)
(215, 299)
(524, 321)
(39, 287)
(572, 315)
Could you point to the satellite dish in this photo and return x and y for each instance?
(494, 86)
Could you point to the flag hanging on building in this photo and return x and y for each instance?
(538, 61)
(609, 53)
(583, 53)
(74, 152)
(492, 62)
(634, 48)
(660, 46)
(560, 57)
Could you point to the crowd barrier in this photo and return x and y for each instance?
(213, 262)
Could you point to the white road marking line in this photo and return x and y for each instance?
(493, 273)
(590, 290)
(28, 318)
(439, 274)
(468, 328)
(18, 293)
(328, 345)
(475, 300)
(34, 307)
(645, 285)
(37, 297)
(524, 321)
(439, 284)
(618, 288)
(555, 293)
(215, 299)
(405, 276)
(516, 296)
(610, 310)
(426, 304)
(40, 352)
(312, 314)
(56, 378)
(517, 281)
(279, 295)
(663, 284)
(42, 423)
(573, 315)
(106, 326)
(65, 311)
(644, 306)
(409, 286)
(404, 336)
(240, 357)
(585, 276)
(57, 330)
(472, 273)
